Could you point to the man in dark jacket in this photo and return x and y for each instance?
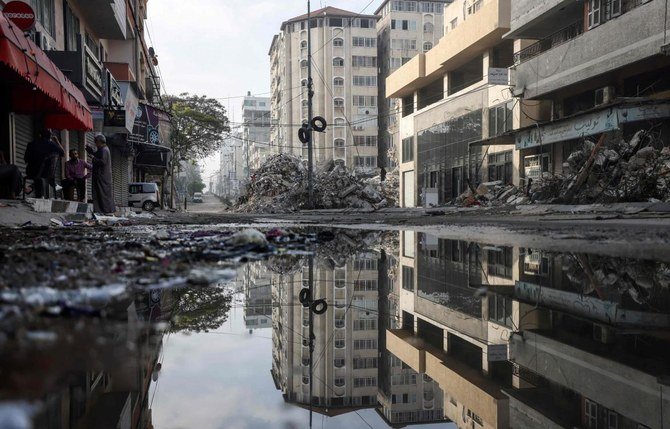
(41, 159)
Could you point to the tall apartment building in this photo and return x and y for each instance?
(256, 129)
(94, 53)
(344, 47)
(405, 29)
(232, 165)
(601, 66)
(457, 107)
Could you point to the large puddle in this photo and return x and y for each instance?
(201, 328)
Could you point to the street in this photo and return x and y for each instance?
(210, 204)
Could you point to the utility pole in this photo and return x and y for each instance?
(310, 112)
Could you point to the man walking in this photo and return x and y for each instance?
(103, 198)
(41, 160)
(75, 176)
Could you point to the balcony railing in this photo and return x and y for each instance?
(566, 34)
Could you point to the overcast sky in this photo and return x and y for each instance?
(219, 48)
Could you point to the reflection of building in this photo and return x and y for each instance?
(345, 85)
(257, 296)
(524, 338)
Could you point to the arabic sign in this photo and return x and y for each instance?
(582, 126)
(498, 76)
(146, 128)
(497, 353)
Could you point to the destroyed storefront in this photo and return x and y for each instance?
(446, 160)
(549, 149)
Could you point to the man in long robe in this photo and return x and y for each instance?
(103, 197)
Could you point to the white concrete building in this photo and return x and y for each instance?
(256, 129)
(344, 47)
(233, 163)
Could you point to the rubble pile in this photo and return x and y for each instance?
(280, 185)
(492, 193)
(389, 188)
(612, 170)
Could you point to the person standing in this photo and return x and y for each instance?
(103, 198)
(75, 176)
(41, 159)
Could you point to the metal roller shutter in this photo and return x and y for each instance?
(88, 139)
(120, 177)
(23, 134)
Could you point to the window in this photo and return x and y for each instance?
(338, 102)
(339, 381)
(403, 24)
(365, 285)
(614, 8)
(339, 149)
(303, 82)
(364, 42)
(339, 121)
(403, 44)
(408, 149)
(365, 161)
(44, 11)
(365, 80)
(303, 44)
(500, 310)
(339, 343)
(338, 42)
(427, 46)
(335, 22)
(364, 100)
(453, 23)
(474, 8)
(338, 362)
(365, 344)
(92, 45)
(72, 29)
(404, 6)
(369, 141)
(365, 382)
(428, 27)
(338, 81)
(500, 119)
(590, 414)
(408, 278)
(593, 13)
(360, 61)
(338, 62)
(365, 325)
(500, 167)
(612, 420)
(430, 7)
(395, 63)
(303, 64)
(365, 363)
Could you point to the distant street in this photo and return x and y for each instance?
(210, 204)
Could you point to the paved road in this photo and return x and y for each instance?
(210, 204)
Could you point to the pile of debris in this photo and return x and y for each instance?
(611, 170)
(492, 193)
(280, 185)
(389, 188)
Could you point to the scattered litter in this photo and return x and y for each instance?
(248, 236)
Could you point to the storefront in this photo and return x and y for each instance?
(34, 94)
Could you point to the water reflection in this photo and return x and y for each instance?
(419, 329)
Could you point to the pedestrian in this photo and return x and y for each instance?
(11, 179)
(75, 176)
(103, 198)
(41, 159)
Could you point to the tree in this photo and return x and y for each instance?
(200, 309)
(198, 125)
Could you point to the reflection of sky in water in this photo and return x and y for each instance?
(222, 380)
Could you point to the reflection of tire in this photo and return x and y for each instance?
(148, 206)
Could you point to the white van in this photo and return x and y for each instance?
(144, 195)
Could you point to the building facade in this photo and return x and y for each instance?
(256, 130)
(405, 29)
(344, 48)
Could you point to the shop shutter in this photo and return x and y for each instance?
(23, 134)
(120, 175)
(87, 140)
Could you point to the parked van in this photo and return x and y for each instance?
(144, 195)
(197, 197)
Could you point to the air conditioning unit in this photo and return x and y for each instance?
(604, 95)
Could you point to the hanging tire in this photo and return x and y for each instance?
(303, 135)
(319, 124)
(319, 306)
(304, 297)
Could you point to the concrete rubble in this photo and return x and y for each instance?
(280, 185)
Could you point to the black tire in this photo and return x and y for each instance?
(304, 297)
(319, 306)
(319, 124)
(303, 135)
(148, 206)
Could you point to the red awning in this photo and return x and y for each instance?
(38, 86)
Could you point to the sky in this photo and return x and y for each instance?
(219, 48)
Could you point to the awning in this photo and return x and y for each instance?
(39, 87)
(153, 159)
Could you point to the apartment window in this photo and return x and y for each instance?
(335, 22)
(395, 63)
(303, 82)
(365, 285)
(614, 8)
(430, 7)
(44, 11)
(303, 64)
(92, 45)
(338, 62)
(338, 81)
(365, 161)
(365, 80)
(408, 149)
(474, 7)
(369, 141)
(403, 24)
(365, 363)
(339, 381)
(338, 42)
(339, 122)
(408, 278)
(404, 6)
(72, 28)
(427, 46)
(428, 27)
(612, 420)
(364, 42)
(365, 325)
(453, 23)
(365, 100)
(303, 44)
(361, 61)
(365, 382)
(339, 148)
(403, 44)
(501, 166)
(338, 102)
(500, 119)
(363, 23)
(594, 13)
(338, 362)
(590, 414)
(500, 310)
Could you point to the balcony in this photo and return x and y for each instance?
(563, 57)
(479, 32)
(122, 72)
(107, 17)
